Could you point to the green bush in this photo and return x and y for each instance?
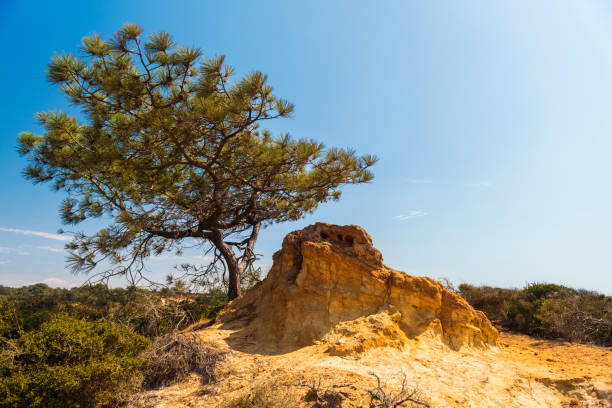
(67, 362)
(84, 347)
(546, 310)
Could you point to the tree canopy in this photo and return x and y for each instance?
(168, 145)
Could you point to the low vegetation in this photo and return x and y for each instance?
(546, 310)
(148, 313)
(64, 361)
(93, 346)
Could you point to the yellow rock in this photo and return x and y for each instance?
(330, 311)
(328, 275)
(360, 335)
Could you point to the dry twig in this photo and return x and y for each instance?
(332, 397)
(379, 398)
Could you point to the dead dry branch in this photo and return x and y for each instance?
(331, 397)
(381, 398)
(173, 357)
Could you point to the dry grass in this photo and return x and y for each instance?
(256, 399)
(173, 357)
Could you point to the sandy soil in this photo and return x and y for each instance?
(520, 372)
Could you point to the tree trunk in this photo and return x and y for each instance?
(236, 266)
(235, 273)
(231, 261)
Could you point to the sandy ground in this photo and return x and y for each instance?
(520, 372)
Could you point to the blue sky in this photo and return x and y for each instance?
(492, 121)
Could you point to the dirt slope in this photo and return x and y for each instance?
(331, 309)
(520, 372)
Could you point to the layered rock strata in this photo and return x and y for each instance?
(326, 275)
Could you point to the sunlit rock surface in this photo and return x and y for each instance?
(327, 274)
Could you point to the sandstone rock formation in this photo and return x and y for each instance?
(329, 291)
(329, 283)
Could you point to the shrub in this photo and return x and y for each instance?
(70, 362)
(546, 310)
(82, 347)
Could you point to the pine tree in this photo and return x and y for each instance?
(171, 149)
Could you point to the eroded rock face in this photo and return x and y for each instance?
(328, 274)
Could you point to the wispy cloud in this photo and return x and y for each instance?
(6, 250)
(410, 215)
(55, 281)
(51, 249)
(57, 237)
(3, 262)
(16, 279)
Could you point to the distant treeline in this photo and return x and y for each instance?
(546, 310)
(146, 312)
